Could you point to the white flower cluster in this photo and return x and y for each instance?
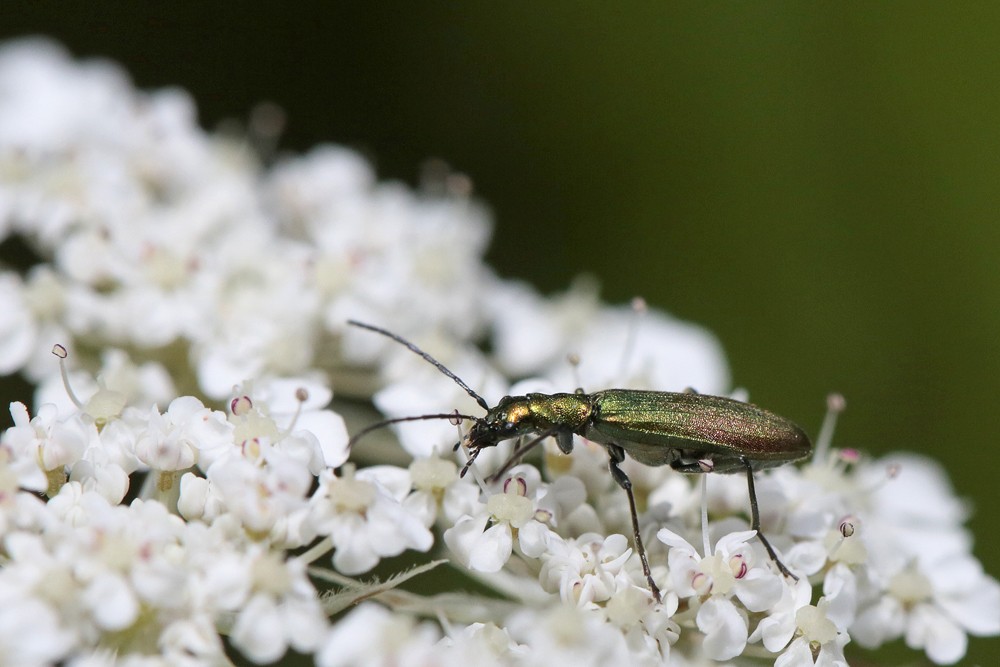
(142, 525)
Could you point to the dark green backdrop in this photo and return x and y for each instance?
(818, 185)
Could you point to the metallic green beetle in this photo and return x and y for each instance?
(690, 432)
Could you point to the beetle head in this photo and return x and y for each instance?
(509, 418)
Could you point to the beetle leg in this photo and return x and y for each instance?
(617, 455)
(565, 441)
(517, 455)
(755, 521)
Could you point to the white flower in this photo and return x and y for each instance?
(437, 487)
(34, 308)
(649, 350)
(776, 630)
(566, 635)
(364, 516)
(649, 630)
(187, 642)
(485, 540)
(18, 335)
(169, 441)
(383, 251)
(480, 644)
(42, 446)
(422, 389)
(530, 332)
(283, 610)
(584, 569)
(289, 414)
(265, 324)
(371, 635)
(914, 511)
(933, 605)
(729, 572)
(259, 497)
(820, 641)
(31, 633)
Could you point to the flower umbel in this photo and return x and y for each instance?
(184, 493)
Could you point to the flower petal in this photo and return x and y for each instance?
(724, 627)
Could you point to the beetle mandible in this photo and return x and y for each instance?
(690, 432)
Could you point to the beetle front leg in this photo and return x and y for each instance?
(517, 455)
(617, 455)
(755, 521)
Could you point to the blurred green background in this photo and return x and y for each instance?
(818, 184)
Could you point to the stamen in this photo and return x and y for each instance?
(521, 487)
(574, 363)
(849, 455)
(62, 353)
(240, 405)
(835, 404)
(701, 583)
(639, 309)
(301, 396)
(706, 544)
(891, 472)
(738, 566)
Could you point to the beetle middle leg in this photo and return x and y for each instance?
(617, 455)
(755, 521)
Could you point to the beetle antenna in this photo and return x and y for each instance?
(397, 420)
(426, 357)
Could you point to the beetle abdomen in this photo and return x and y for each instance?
(658, 428)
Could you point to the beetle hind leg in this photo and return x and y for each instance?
(617, 455)
(755, 521)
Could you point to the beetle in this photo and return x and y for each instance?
(690, 432)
